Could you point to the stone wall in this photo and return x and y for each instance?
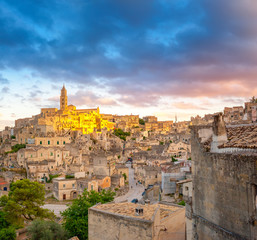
(224, 197)
(107, 226)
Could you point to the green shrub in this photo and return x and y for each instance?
(8, 233)
(51, 177)
(141, 121)
(125, 176)
(182, 203)
(121, 134)
(69, 176)
(16, 148)
(46, 230)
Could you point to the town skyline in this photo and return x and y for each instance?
(72, 100)
(153, 58)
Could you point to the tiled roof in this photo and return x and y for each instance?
(2, 181)
(241, 137)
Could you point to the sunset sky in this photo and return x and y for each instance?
(146, 57)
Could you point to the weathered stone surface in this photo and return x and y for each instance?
(224, 194)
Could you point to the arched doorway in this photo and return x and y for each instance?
(73, 195)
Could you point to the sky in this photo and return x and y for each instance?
(146, 57)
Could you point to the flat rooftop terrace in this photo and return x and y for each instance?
(128, 209)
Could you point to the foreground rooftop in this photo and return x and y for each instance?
(128, 209)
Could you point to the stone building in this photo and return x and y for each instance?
(103, 164)
(88, 184)
(4, 187)
(117, 181)
(65, 189)
(122, 169)
(56, 141)
(150, 119)
(250, 111)
(127, 221)
(224, 200)
(233, 114)
(148, 175)
(104, 182)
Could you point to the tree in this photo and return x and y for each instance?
(76, 216)
(253, 99)
(121, 134)
(24, 201)
(7, 232)
(46, 230)
(141, 121)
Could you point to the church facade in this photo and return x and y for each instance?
(68, 118)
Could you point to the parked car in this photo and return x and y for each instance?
(135, 200)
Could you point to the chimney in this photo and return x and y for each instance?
(219, 132)
(139, 211)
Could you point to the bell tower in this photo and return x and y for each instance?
(63, 98)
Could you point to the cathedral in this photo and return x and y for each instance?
(68, 118)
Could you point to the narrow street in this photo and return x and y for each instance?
(56, 208)
(135, 190)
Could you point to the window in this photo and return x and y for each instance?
(64, 142)
(41, 154)
(51, 154)
(21, 155)
(92, 187)
(186, 188)
(48, 142)
(58, 155)
(63, 185)
(41, 142)
(73, 185)
(57, 142)
(31, 155)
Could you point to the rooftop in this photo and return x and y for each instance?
(128, 209)
(241, 137)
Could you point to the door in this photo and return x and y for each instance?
(64, 196)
